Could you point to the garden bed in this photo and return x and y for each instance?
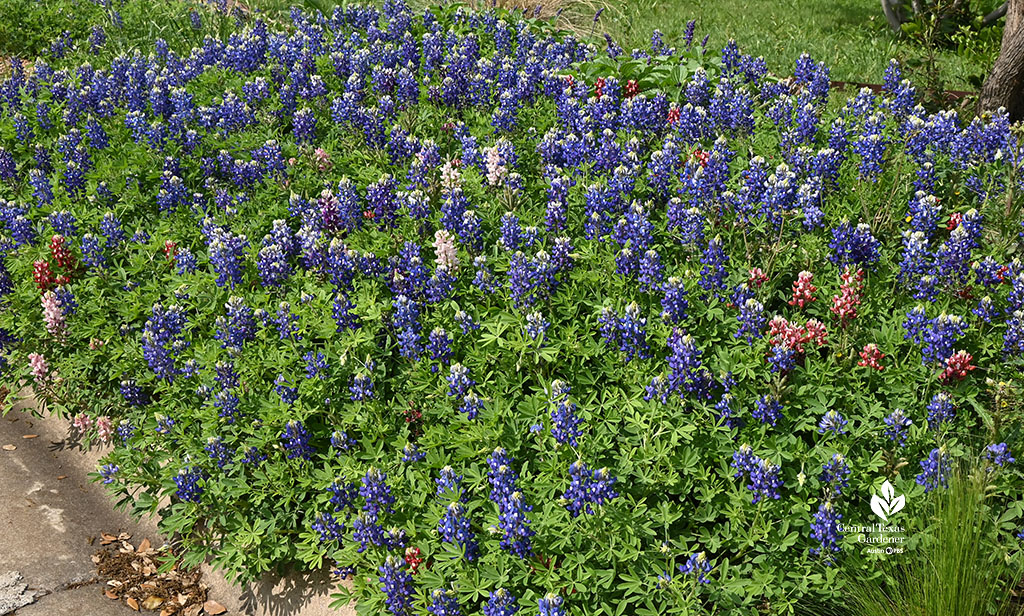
(477, 315)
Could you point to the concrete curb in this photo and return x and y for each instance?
(297, 594)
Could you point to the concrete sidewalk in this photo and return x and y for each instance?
(51, 516)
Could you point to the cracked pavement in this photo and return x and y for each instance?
(51, 516)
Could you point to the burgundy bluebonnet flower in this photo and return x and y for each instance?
(957, 366)
(803, 290)
(870, 357)
(295, 440)
(845, 305)
(934, 470)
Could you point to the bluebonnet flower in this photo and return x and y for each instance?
(189, 480)
(163, 339)
(450, 482)
(238, 328)
(767, 410)
(253, 455)
(439, 345)
(673, 303)
(698, 566)
(853, 245)
(109, 473)
(551, 605)
(752, 320)
(512, 509)
(316, 364)
(762, 475)
(998, 454)
(406, 321)
(940, 410)
(288, 394)
(341, 441)
(133, 394)
(832, 421)
(361, 388)
(588, 488)
(218, 451)
(376, 493)
(125, 431)
(835, 475)
(295, 440)
(396, 583)
(565, 424)
(628, 332)
(825, 530)
(934, 470)
(328, 528)
(871, 146)
(501, 603)
(411, 453)
(536, 326)
(455, 528)
(897, 425)
(713, 274)
(782, 359)
(164, 424)
(442, 603)
(459, 381)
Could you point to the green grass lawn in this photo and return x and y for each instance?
(851, 36)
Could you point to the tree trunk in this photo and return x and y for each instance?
(1005, 85)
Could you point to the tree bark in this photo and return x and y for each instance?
(1005, 85)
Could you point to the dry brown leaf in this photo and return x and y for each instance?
(168, 611)
(149, 587)
(183, 599)
(107, 539)
(30, 436)
(111, 594)
(193, 610)
(144, 546)
(124, 536)
(61, 477)
(213, 608)
(9, 447)
(132, 603)
(95, 559)
(152, 602)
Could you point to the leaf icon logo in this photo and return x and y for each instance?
(887, 503)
